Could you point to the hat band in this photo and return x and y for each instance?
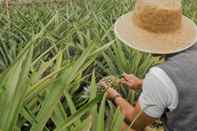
(158, 21)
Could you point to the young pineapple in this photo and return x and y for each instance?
(111, 81)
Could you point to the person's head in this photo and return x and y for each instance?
(157, 27)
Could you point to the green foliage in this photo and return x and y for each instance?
(49, 53)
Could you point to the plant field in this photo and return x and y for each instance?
(52, 56)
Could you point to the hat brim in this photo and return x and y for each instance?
(155, 43)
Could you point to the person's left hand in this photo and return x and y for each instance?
(132, 81)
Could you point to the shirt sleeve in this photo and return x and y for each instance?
(158, 93)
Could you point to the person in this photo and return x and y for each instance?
(169, 90)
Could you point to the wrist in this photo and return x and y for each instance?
(115, 97)
(140, 83)
(112, 92)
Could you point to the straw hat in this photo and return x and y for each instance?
(157, 26)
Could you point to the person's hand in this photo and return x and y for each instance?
(132, 81)
(111, 93)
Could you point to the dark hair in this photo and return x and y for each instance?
(166, 56)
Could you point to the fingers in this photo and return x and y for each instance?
(128, 77)
(128, 80)
(125, 76)
(127, 83)
(103, 84)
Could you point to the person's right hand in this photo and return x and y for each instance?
(131, 81)
(110, 91)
